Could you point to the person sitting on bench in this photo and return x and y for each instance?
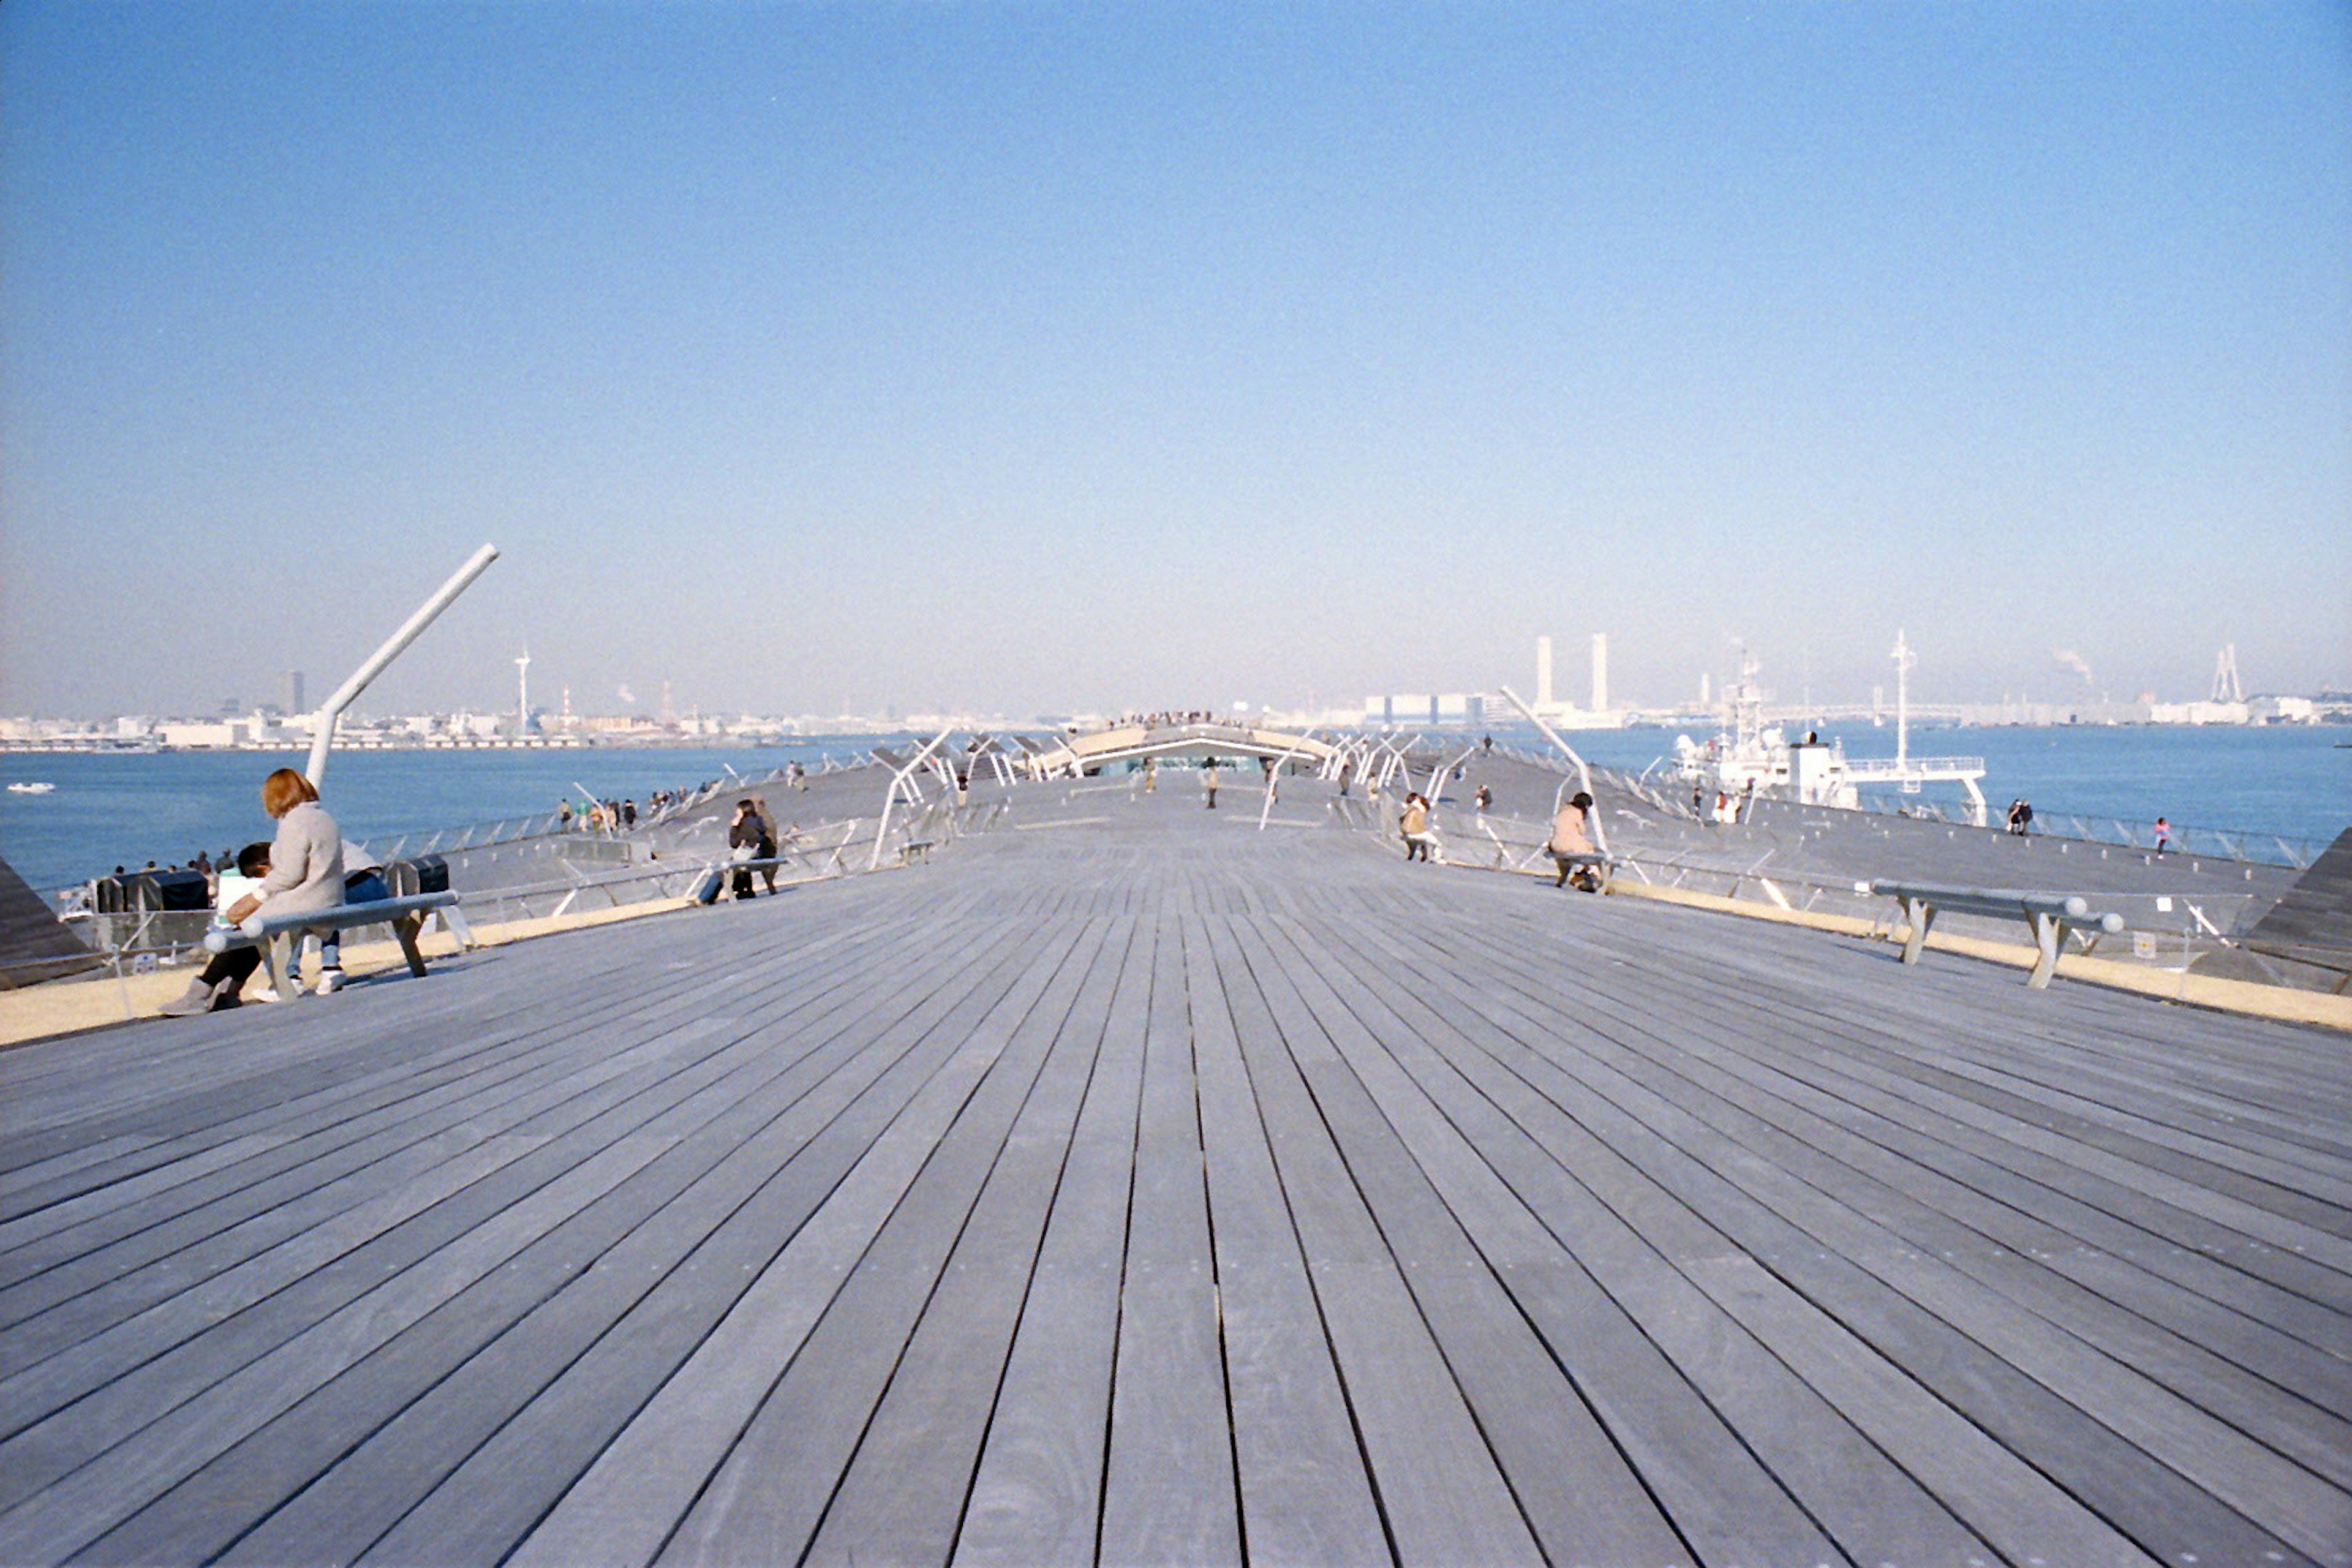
(220, 983)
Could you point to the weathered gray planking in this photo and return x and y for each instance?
(1170, 1495)
(1441, 1493)
(626, 1507)
(620, 1247)
(1306, 1498)
(903, 1494)
(91, 1499)
(1653, 1255)
(1704, 1448)
(2161, 1510)
(764, 1502)
(536, 1076)
(1466, 1164)
(539, 1410)
(1036, 1495)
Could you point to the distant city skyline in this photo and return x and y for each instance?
(1032, 358)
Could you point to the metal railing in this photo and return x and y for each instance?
(2248, 846)
(2214, 843)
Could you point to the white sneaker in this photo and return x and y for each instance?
(268, 993)
(330, 982)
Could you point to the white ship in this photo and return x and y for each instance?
(1751, 758)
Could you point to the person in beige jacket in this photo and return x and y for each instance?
(1571, 836)
(305, 872)
(306, 860)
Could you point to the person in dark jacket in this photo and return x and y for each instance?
(744, 836)
(221, 982)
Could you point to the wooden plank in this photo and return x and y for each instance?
(1441, 1493)
(1656, 1259)
(1565, 1412)
(1307, 1498)
(778, 1480)
(83, 1505)
(619, 1247)
(2158, 1226)
(544, 1401)
(1170, 1494)
(626, 1505)
(2164, 1512)
(1036, 1493)
(239, 1220)
(902, 1497)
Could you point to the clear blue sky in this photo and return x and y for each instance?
(1030, 355)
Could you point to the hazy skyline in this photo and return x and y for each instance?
(1016, 357)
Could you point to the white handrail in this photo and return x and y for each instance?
(890, 797)
(1275, 774)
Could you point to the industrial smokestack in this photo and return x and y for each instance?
(1601, 672)
(1543, 673)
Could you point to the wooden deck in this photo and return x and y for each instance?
(1131, 1186)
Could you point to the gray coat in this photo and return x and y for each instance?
(306, 863)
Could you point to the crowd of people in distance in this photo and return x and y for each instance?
(1170, 719)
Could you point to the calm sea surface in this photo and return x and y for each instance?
(126, 810)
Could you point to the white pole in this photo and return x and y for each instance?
(1902, 702)
(322, 732)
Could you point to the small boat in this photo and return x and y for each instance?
(25, 788)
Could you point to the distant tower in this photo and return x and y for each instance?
(1706, 689)
(294, 692)
(2226, 688)
(522, 694)
(1601, 672)
(667, 717)
(1543, 672)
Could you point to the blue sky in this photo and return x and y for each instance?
(1029, 356)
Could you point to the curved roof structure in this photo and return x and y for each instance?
(1126, 743)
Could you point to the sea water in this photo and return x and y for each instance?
(127, 809)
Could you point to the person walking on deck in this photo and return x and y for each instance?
(1571, 836)
(2163, 835)
(1209, 783)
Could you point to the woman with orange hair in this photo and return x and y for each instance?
(306, 872)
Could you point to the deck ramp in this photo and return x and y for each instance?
(1131, 1184)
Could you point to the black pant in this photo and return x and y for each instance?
(236, 966)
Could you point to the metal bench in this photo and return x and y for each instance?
(1604, 865)
(276, 934)
(2051, 915)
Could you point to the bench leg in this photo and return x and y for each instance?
(2047, 934)
(1920, 916)
(406, 929)
(285, 972)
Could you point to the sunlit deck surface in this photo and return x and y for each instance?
(1131, 1184)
